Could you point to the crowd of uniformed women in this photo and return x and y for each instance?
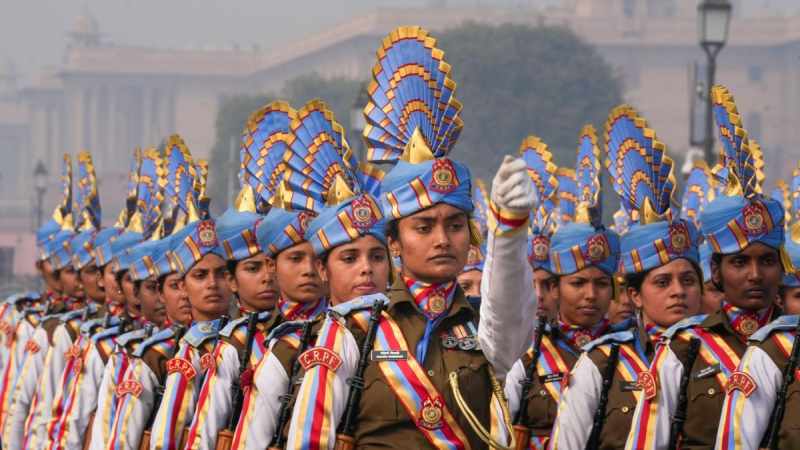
(398, 303)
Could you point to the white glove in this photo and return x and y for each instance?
(512, 188)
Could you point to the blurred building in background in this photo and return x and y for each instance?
(110, 98)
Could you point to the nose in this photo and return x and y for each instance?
(754, 272)
(590, 293)
(677, 289)
(440, 237)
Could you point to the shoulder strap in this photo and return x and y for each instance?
(782, 323)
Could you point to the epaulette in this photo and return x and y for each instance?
(70, 315)
(156, 338)
(357, 304)
(201, 332)
(107, 333)
(626, 324)
(233, 325)
(130, 336)
(688, 322)
(782, 323)
(56, 316)
(89, 327)
(284, 329)
(620, 337)
(18, 297)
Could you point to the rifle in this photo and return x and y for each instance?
(679, 418)
(773, 434)
(346, 431)
(225, 437)
(522, 434)
(600, 412)
(278, 441)
(180, 330)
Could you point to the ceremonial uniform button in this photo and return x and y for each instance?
(711, 391)
(542, 392)
(625, 410)
(430, 373)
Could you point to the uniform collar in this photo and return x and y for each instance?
(579, 336)
(399, 294)
(301, 311)
(746, 322)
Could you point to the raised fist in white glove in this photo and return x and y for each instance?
(512, 188)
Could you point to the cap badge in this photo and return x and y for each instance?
(597, 248)
(206, 234)
(363, 218)
(756, 219)
(541, 247)
(443, 176)
(678, 238)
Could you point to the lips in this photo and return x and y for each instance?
(441, 258)
(267, 295)
(756, 293)
(364, 287)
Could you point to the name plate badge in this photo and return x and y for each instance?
(389, 355)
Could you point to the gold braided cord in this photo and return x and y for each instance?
(483, 434)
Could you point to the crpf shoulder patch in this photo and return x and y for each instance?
(647, 382)
(132, 387)
(741, 381)
(320, 356)
(183, 366)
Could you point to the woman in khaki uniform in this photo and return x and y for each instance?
(427, 354)
(597, 407)
(583, 256)
(693, 367)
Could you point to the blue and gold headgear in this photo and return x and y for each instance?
(265, 149)
(583, 242)
(413, 120)
(740, 216)
(324, 176)
(146, 224)
(175, 181)
(644, 179)
(542, 172)
(127, 230)
(792, 196)
(89, 215)
(237, 226)
(61, 224)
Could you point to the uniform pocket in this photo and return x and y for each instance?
(379, 401)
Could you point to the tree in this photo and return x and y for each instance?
(513, 80)
(339, 93)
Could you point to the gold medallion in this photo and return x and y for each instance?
(431, 414)
(437, 303)
(747, 326)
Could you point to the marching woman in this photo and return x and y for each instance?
(538, 160)
(659, 260)
(392, 371)
(583, 255)
(765, 365)
(349, 242)
(694, 365)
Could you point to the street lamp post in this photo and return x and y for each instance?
(40, 185)
(713, 19)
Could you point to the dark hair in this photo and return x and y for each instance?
(716, 260)
(119, 276)
(137, 286)
(635, 280)
(162, 279)
(231, 265)
(393, 229)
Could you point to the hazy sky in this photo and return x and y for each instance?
(32, 32)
